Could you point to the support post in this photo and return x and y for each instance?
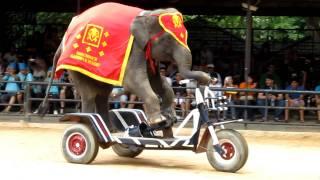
(78, 6)
(248, 47)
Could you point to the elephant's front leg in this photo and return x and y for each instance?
(139, 84)
(161, 86)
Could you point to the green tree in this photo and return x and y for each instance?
(276, 28)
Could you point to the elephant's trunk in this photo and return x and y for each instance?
(183, 59)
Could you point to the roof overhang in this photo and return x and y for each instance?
(206, 7)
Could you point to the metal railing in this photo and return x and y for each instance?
(27, 100)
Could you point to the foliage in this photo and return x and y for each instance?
(275, 28)
(25, 27)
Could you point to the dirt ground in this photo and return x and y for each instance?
(35, 153)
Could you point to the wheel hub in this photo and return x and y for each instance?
(77, 144)
(228, 149)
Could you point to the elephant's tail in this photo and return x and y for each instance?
(44, 106)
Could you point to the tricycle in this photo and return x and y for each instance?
(226, 149)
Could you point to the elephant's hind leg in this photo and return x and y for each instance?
(102, 108)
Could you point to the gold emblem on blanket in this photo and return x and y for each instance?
(92, 35)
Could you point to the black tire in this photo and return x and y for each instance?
(236, 149)
(127, 150)
(79, 144)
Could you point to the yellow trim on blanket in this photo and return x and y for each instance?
(170, 32)
(126, 58)
(88, 73)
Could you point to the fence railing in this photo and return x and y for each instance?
(28, 99)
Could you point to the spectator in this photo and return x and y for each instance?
(298, 69)
(68, 92)
(24, 76)
(38, 67)
(53, 93)
(163, 73)
(231, 95)
(270, 72)
(172, 70)
(216, 79)
(249, 96)
(295, 100)
(191, 101)
(64, 90)
(118, 94)
(12, 88)
(180, 93)
(210, 70)
(134, 98)
(270, 99)
(3, 65)
(318, 101)
(11, 56)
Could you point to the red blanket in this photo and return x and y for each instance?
(98, 42)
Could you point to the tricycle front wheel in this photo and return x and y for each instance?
(235, 151)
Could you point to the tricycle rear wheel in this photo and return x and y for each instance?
(79, 144)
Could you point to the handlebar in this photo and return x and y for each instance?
(186, 81)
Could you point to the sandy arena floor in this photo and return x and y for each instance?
(35, 153)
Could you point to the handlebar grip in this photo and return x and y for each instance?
(184, 81)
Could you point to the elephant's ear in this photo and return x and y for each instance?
(142, 27)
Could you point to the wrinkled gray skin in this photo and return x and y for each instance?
(138, 78)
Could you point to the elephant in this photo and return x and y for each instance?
(141, 77)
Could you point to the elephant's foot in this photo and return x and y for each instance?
(167, 132)
(157, 123)
(164, 123)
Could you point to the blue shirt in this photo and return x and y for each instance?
(53, 89)
(11, 86)
(24, 78)
(317, 88)
(295, 95)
